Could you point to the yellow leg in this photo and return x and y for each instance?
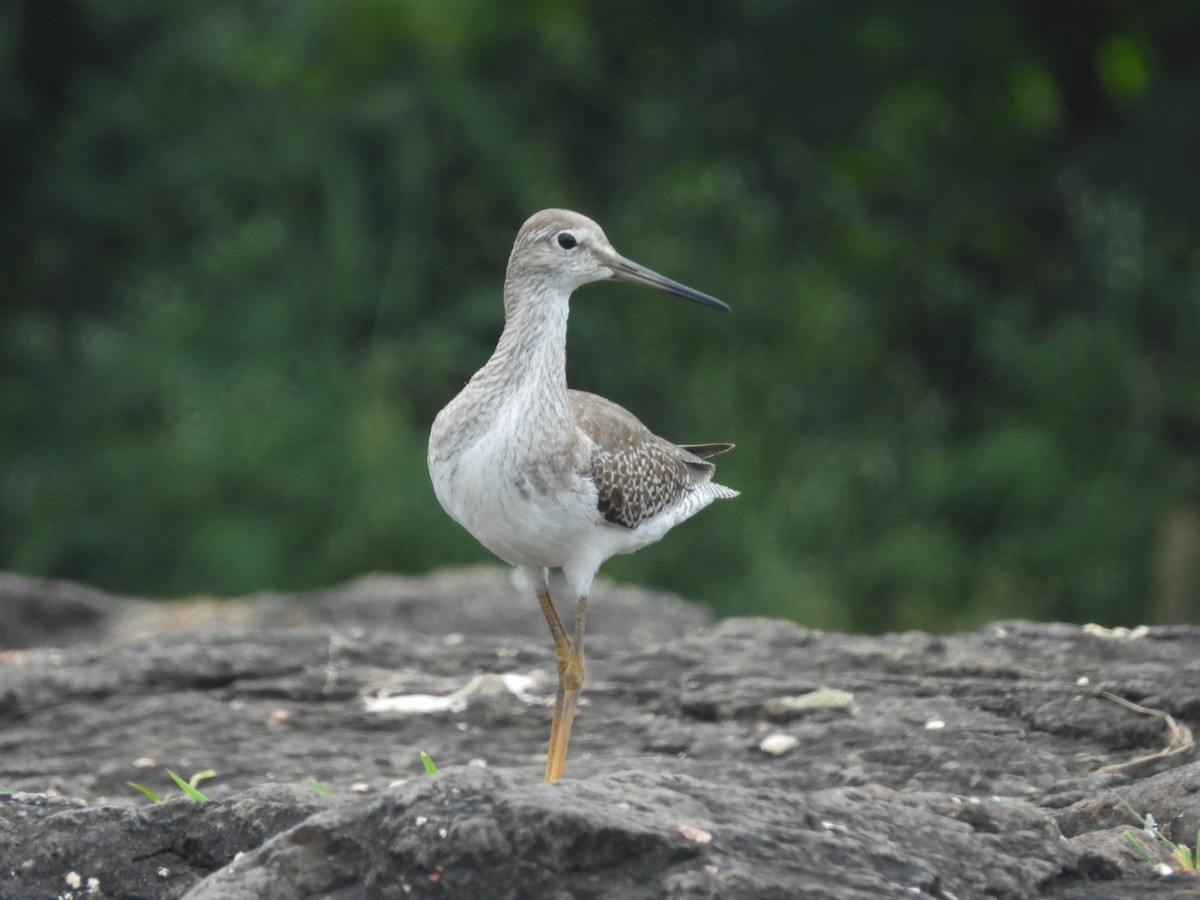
(569, 656)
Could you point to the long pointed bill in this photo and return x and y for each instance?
(627, 270)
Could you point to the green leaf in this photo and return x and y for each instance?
(1123, 67)
(428, 763)
(195, 780)
(189, 787)
(1183, 853)
(1141, 849)
(318, 786)
(154, 798)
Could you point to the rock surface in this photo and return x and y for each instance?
(748, 758)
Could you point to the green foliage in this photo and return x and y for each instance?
(189, 787)
(249, 250)
(1186, 857)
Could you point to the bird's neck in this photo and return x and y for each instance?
(532, 350)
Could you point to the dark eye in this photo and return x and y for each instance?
(566, 240)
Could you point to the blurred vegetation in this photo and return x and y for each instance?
(250, 249)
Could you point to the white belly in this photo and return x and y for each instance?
(520, 483)
(524, 517)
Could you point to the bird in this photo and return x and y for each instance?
(547, 477)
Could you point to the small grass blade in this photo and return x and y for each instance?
(195, 780)
(1182, 852)
(317, 786)
(1140, 849)
(1141, 820)
(154, 798)
(428, 763)
(1186, 857)
(189, 787)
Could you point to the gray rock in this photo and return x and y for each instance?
(747, 758)
(53, 847)
(470, 833)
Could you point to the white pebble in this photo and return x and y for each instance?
(778, 744)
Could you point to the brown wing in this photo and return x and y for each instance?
(637, 474)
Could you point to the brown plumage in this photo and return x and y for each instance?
(637, 473)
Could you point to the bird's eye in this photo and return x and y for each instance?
(566, 240)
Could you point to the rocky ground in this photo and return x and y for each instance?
(747, 758)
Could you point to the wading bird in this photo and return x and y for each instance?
(547, 477)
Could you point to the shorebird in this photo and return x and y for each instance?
(546, 477)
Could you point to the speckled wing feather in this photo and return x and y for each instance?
(637, 474)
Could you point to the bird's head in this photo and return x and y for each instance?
(566, 250)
